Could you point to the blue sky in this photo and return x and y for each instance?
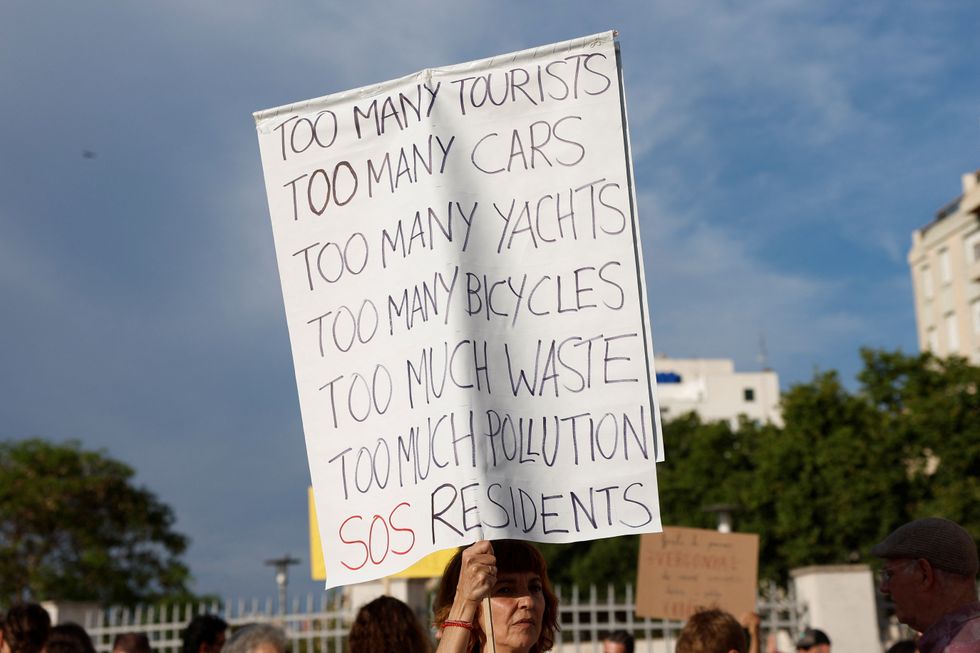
(784, 152)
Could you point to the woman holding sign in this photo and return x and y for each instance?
(524, 610)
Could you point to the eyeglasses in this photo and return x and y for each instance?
(885, 574)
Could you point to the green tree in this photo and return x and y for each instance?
(595, 562)
(73, 526)
(846, 468)
(831, 482)
(712, 464)
(932, 406)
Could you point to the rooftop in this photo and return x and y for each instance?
(971, 185)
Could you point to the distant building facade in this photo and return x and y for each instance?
(713, 389)
(945, 266)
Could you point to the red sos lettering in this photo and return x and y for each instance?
(381, 536)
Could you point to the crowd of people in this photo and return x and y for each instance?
(496, 596)
(27, 628)
(929, 573)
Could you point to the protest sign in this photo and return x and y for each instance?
(462, 276)
(431, 566)
(682, 569)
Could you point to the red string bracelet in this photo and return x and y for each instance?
(457, 624)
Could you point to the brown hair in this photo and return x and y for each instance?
(25, 628)
(131, 643)
(387, 624)
(711, 631)
(69, 638)
(512, 556)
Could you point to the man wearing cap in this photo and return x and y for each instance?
(813, 641)
(930, 574)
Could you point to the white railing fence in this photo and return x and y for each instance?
(585, 619)
(315, 625)
(320, 624)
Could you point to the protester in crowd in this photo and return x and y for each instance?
(69, 638)
(751, 628)
(256, 638)
(930, 574)
(131, 643)
(618, 641)
(204, 634)
(387, 624)
(24, 628)
(524, 609)
(903, 646)
(813, 640)
(712, 631)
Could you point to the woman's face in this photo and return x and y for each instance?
(517, 603)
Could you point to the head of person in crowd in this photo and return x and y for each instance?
(387, 624)
(813, 640)
(24, 628)
(712, 631)
(523, 607)
(929, 572)
(69, 638)
(131, 643)
(903, 646)
(204, 634)
(618, 641)
(257, 638)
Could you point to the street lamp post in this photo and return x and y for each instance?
(724, 513)
(282, 577)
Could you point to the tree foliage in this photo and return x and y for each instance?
(73, 526)
(846, 468)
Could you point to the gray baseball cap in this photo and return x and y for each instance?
(944, 543)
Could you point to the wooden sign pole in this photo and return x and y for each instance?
(491, 646)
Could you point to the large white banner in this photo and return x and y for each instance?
(461, 269)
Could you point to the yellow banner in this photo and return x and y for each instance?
(318, 569)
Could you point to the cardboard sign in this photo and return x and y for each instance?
(683, 569)
(462, 276)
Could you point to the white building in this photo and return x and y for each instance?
(945, 265)
(715, 391)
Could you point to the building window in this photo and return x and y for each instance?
(926, 276)
(975, 310)
(952, 335)
(945, 267)
(973, 247)
(932, 340)
(748, 394)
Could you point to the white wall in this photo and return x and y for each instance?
(841, 602)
